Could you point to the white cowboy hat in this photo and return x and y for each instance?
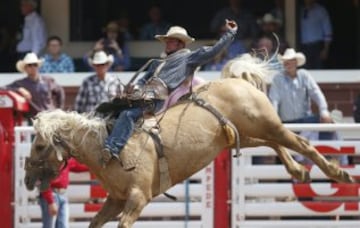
(176, 32)
(290, 53)
(269, 18)
(100, 57)
(30, 58)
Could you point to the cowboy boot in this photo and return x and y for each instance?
(106, 156)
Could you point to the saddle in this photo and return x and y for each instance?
(148, 123)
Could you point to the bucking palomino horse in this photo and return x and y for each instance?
(191, 137)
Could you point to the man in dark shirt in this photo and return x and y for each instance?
(42, 92)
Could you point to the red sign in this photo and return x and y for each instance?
(343, 190)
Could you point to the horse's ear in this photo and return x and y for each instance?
(59, 155)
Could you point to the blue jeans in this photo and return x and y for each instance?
(61, 220)
(323, 135)
(124, 126)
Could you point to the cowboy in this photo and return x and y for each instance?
(292, 92)
(42, 92)
(162, 77)
(99, 87)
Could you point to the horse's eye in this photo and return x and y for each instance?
(40, 147)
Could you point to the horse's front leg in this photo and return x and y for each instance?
(133, 207)
(110, 209)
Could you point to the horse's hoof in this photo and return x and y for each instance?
(347, 178)
(306, 177)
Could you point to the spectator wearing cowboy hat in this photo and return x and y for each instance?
(99, 87)
(269, 25)
(113, 43)
(42, 92)
(165, 75)
(292, 92)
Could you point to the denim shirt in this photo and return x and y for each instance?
(291, 98)
(183, 63)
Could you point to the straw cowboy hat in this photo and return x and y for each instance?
(30, 58)
(176, 32)
(100, 57)
(269, 18)
(290, 53)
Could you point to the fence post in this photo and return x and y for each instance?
(222, 189)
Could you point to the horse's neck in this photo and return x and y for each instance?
(87, 149)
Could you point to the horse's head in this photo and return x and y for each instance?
(44, 163)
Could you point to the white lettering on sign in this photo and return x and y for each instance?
(6, 102)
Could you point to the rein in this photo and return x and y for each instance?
(42, 166)
(230, 130)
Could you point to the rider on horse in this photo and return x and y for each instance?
(162, 77)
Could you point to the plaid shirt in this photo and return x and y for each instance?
(64, 64)
(94, 91)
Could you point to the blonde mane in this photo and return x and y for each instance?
(250, 68)
(67, 125)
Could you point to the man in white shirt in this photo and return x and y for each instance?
(33, 33)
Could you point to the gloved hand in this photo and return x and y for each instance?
(231, 25)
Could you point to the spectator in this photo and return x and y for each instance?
(267, 51)
(163, 77)
(292, 91)
(55, 61)
(156, 25)
(33, 35)
(42, 92)
(278, 12)
(248, 28)
(54, 201)
(124, 26)
(315, 34)
(270, 25)
(98, 87)
(113, 43)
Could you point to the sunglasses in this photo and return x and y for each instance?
(100, 65)
(32, 65)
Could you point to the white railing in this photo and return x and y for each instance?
(265, 195)
(262, 195)
(84, 191)
(75, 79)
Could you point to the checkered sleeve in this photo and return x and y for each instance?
(82, 97)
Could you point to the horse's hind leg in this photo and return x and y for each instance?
(133, 207)
(292, 141)
(293, 167)
(109, 210)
